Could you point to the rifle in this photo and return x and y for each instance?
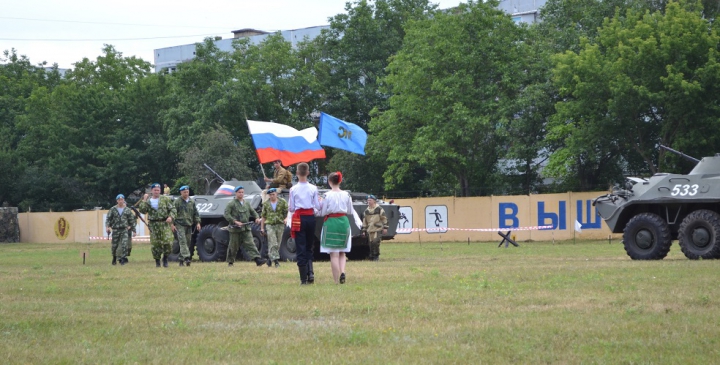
(236, 226)
(137, 214)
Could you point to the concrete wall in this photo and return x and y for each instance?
(61, 227)
(496, 213)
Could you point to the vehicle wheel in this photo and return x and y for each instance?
(257, 241)
(360, 249)
(699, 235)
(647, 237)
(211, 243)
(175, 249)
(288, 252)
(263, 242)
(192, 244)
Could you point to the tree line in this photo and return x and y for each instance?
(461, 101)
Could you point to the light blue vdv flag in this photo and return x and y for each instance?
(340, 134)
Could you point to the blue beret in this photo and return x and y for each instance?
(120, 196)
(272, 190)
(155, 185)
(238, 188)
(184, 187)
(372, 197)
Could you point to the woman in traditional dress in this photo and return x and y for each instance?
(336, 238)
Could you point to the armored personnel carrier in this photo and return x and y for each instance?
(212, 240)
(652, 212)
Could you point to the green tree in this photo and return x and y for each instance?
(453, 85)
(357, 50)
(527, 149)
(195, 95)
(75, 135)
(18, 79)
(270, 81)
(650, 78)
(216, 149)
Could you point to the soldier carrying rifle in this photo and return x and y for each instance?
(240, 217)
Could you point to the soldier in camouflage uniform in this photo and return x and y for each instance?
(160, 215)
(187, 217)
(375, 224)
(282, 178)
(240, 216)
(274, 214)
(120, 220)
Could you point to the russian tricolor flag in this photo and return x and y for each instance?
(275, 141)
(225, 189)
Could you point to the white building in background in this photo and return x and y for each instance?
(523, 11)
(61, 71)
(170, 57)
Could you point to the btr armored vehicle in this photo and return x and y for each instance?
(212, 240)
(652, 212)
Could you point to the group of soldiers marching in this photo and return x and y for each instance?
(165, 216)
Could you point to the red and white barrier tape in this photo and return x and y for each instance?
(136, 238)
(533, 228)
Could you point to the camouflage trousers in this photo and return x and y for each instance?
(374, 239)
(184, 235)
(119, 246)
(161, 238)
(247, 243)
(274, 237)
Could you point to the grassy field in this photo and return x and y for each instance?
(423, 303)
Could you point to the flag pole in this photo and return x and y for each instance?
(256, 154)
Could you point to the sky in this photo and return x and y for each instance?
(65, 32)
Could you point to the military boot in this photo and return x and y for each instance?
(259, 261)
(165, 262)
(114, 261)
(269, 262)
(157, 262)
(182, 263)
(303, 274)
(187, 262)
(310, 273)
(277, 264)
(122, 261)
